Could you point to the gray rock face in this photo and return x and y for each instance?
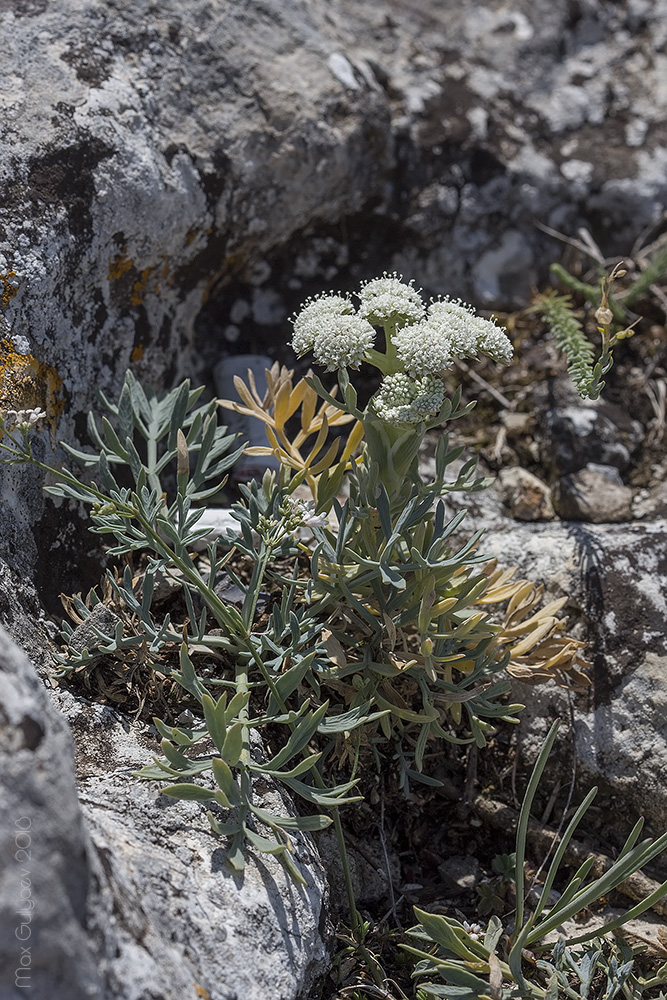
(595, 493)
(45, 881)
(614, 576)
(126, 895)
(576, 431)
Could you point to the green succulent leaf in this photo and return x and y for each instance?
(189, 792)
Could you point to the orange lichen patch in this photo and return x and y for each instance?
(8, 287)
(122, 264)
(26, 383)
(137, 353)
(139, 287)
(119, 266)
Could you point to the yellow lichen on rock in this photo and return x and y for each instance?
(26, 383)
(118, 266)
(139, 287)
(8, 288)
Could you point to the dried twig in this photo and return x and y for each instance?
(503, 400)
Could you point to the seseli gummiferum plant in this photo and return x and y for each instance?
(366, 626)
(380, 638)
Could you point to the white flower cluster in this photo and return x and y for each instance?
(301, 514)
(452, 329)
(426, 344)
(390, 300)
(328, 326)
(22, 420)
(313, 316)
(405, 400)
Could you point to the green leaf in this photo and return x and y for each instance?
(451, 935)
(235, 857)
(305, 765)
(310, 823)
(326, 797)
(233, 745)
(112, 442)
(299, 739)
(263, 844)
(430, 714)
(345, 722)
(494, 932)
(190, 792)
(288, 864)
(236, 705)
(174, 756)
(187, 678)
(124, 413)
(179, 407)
(215, 713)
(223, 829)
(524, 816)
(226, 781)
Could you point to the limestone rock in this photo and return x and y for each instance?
(615, 578)
(578, 431)
(596, 494)
(44, 946)
(165, 913)
(101, 620)
(528, 498)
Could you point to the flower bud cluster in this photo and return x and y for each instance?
(404, 400)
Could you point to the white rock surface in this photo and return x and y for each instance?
(614, 578)
(44, 873)
(120, 892)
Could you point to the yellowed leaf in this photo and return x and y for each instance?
(281, 405)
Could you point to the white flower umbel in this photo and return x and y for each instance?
(469, 333)
(342, 341)
(404, 400)
(423, 350)
(390, 300)
(451, 330)
(308, 322)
